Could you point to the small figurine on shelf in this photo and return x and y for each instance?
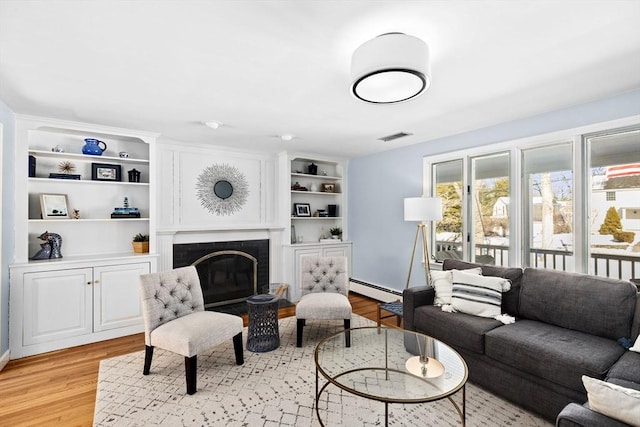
(298, 187)
(65, 168)
(313, 169)
(52, 248)
(134, 175)
(76, 214)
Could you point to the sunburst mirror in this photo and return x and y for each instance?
(222, 189)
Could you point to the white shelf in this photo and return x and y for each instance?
(42, 221)
(85, 181)
(322, 193)
(307, 218)
(321, 177)
(104, 257)
(87, 158)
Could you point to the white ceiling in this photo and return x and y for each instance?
(267, 68)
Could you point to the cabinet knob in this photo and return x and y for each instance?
(96, 281)
(88, 283)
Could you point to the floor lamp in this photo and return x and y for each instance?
(422, 209)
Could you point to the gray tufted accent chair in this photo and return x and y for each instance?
(324, 289)
(175, 320)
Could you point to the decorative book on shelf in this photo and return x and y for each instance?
(125, 213)
(64, 176)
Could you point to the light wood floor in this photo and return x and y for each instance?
(59, 388)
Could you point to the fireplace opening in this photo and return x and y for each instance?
(231, 276)
(229, 272)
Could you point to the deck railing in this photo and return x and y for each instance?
(617, 266)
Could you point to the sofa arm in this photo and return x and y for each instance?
(413, 298)
(574, 415)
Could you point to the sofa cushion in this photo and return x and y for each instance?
(478, 295)
(552, 353)
(626, 368)
(514, 274)
(442, 281)
(624, 383)
(595, 305)
(456, 329)
(574, 415)
(617, 402)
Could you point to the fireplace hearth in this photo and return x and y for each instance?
(229, 272)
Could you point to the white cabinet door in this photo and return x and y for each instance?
(335, 251)
(116, 296)
(57, 305)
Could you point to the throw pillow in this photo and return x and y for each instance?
(636, 345)
(614, 401)
(442, 282)
(478, 295)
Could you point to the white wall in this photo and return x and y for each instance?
(378, 184)
(182, 219)
(7, 119)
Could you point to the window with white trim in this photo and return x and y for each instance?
(542, 201)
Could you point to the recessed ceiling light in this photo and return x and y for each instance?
(286, 137)
(213, 124)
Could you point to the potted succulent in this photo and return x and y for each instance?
(140, 243)
(335, 232)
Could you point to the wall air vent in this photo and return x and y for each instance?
(394, 136)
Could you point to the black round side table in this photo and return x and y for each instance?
(263, 323)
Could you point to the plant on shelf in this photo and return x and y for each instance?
(335, 232)
(140, 243)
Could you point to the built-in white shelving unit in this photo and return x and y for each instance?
(309, 235)
(91, 293)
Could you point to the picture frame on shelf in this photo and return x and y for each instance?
(54, 206)
(106, 172)
(302, 209)
(328, 188)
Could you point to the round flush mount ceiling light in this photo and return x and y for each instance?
(286, 137)
(390, 68)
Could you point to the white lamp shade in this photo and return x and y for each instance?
(390, 68)
(422, 208)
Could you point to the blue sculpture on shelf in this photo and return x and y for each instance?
(51, 248)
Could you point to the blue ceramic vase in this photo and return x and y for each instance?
(92, 147)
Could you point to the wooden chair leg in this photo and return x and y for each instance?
(237, 347)
(148, 355)
(191, 367)
(347, 334)
(299, 332)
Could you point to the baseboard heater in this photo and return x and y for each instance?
(370, 290)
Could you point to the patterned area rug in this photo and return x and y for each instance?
(271, 389)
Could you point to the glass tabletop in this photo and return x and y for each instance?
(391, 365)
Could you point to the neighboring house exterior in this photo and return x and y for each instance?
(618, 188)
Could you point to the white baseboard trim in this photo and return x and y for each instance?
(370, 290)
(4, 359)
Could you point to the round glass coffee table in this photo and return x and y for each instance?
(391, 366)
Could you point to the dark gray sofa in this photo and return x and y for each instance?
(567, 326)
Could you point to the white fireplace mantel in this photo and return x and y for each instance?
(168, 236)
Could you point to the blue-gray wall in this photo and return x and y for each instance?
(7, 118)
(378, 184)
